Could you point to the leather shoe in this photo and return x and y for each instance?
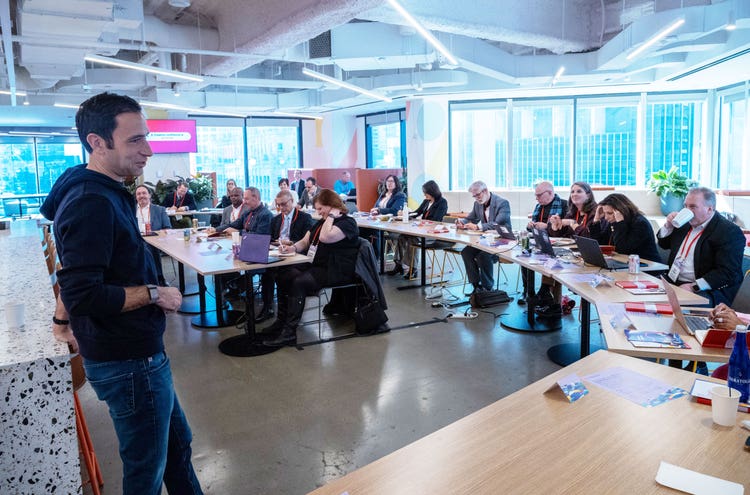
(285, 338)
(549, 311)
(273, 328)
(521, 301)
(264, 315)
(397, 270)
(411, 275)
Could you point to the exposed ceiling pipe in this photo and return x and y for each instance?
(5, 25)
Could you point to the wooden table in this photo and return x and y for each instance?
(214, 257)
(535, 443)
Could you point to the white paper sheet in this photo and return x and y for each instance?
(693, 482)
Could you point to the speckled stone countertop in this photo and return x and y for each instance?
(38, 444)
(24, 279)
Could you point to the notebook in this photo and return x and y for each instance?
(592, 254)
(697, 326)
(254, 249)
(541, 238)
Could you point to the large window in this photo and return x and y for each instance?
(30, 165)
(478, 144)
(734, 147)
(541, 143)
(271, 148)
(606, 144)
(672, 137)
(384, 136)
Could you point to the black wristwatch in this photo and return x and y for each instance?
(153, 293)
(57, 321)
(695, 287)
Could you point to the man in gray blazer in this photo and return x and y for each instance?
(156, 216)
(489, 212)
(235, 209)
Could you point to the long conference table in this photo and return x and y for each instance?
(535, 441)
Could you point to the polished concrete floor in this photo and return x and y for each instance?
(288, 422)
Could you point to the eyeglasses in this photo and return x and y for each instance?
(279, 205)
(541, 194)
(477, 195)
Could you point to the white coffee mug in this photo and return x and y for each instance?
(682, 217)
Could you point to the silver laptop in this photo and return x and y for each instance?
(689, 323)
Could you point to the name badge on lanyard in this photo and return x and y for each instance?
(311, 251)
(674, 272)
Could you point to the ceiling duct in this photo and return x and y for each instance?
(320, 46)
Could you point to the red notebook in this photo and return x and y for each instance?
(644, 307)
(638, 285)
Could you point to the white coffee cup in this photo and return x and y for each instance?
(682, 217)
(724, 402)
(14, 315)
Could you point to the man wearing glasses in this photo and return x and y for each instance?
(547, 204)
(288, 227)
(490, 211)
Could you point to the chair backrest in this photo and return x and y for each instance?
(741, 301)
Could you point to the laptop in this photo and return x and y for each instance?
(543, 243)
(504, 233)
(254, 249)
(691, 324)
(592, 254)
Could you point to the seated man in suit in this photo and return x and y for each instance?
(297, 185)
(156, 218)
(235, 209)
(307, 195)
(256, 218)
(179, 201)
(288, 227)
(705, 254)
(490, 210)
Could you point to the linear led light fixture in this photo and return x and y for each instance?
(66, 105)
(297, 115)
(6, 92)
(171, 74)
(345, 85)
(731, 22)
(169, 106)
(422, 31)
(656, 38)
(558, 75)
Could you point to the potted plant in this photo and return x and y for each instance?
(203, 190)
(671, 187)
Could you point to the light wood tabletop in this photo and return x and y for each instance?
(533, 442)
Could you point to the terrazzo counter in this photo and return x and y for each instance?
(38, 443)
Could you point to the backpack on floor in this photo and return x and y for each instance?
(488, 298)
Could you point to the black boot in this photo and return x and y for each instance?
(544, 296)
(288, 335)
(283, 308)
(265, 313)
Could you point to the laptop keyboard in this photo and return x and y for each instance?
(562, 252)
(697, 323)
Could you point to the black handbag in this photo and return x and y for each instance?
(488, 298)
(369, 317)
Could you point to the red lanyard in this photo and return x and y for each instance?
(146, 220)
(541, 213)
(686, 246)
(585, 218)
(174, 200)
(248, 220)
(294, 217)
(316, 235)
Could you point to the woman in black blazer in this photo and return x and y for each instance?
(392, 200)
(619, 223)
(434, 207)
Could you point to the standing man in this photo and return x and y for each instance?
(109, 296)
(156, 217)
(490, 211)
(705, 255)
(288, 227)
(548, 203)
(344, 184)
(298, 185)
(256, 218)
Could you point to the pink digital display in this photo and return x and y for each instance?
(172, 136)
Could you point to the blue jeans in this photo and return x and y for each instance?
(153, 433)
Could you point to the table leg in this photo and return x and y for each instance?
(565, 354)
(189, 305)
(249, 343)
(381, 242)
(526, 321)
(219, 317)
(423, 266)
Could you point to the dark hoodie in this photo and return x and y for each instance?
(101, 252)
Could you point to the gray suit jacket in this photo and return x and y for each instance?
(226, 215)
(498, 214)
(159, 217)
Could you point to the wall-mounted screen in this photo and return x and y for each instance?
(172, 136)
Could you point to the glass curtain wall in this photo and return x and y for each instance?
(478, 144)
(30, 165)
(734, 141)
(673, 137)
(385, 140)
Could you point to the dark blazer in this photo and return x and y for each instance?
(301, 223)
(260, 223)
(189, 201)
(297, 186)
(499, 214)
(718, 256)
(159, 217)
(393, 205)
(435, 213)
(634, 237)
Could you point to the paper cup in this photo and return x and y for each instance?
(14, 315)
(683, 217)
(235, 237)
(724, 405)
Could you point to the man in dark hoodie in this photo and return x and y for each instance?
(110, 301)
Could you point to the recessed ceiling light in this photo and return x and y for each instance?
(180, 4)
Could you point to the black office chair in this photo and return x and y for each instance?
(741, 301)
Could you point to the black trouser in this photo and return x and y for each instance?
(267, 285)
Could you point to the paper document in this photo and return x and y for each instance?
(638, 388)
(693, 482)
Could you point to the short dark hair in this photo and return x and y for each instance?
(283, 180)
(396, 189)
(621, 203)
(98, 115)
(144, 186)
(431, 187)
(311, 179)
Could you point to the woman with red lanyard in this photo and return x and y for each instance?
(619, 223)
(332, 245)
(581, 210)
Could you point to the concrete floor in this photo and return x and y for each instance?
(288, 422)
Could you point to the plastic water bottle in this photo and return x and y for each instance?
(739, 364)
(405, 214)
